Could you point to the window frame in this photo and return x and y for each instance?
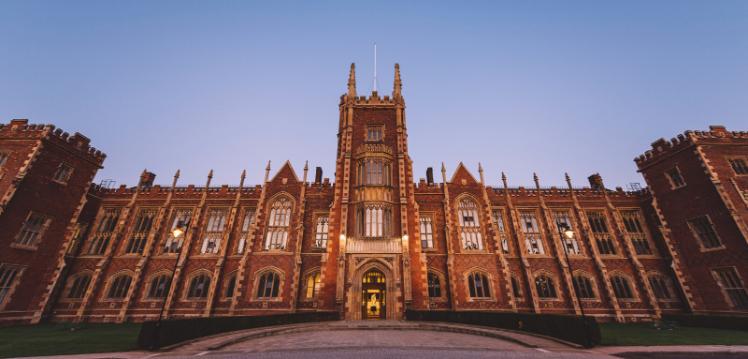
(503, 234)
(543, 249)
(72, 280)
(10, 287)
(112, 281)
(38, 234)
(442, 285)
(149, 286)
(426, 219)
(321, 219)
(470, 231)
(669, 176)
(554, 286)
(256, 284)
(68, 176)
(316, 275)
(630, 284)
(697, 237)
(592, 282)
(487, 287)
(722, 286)
(730, 159)
(245, 229)
(273, 229)
(375, 128)
(187, 290)
(667, 283)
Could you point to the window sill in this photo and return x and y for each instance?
(266, 300)
(481, 300)
(25, 247)
(705, 250)
(64, 184)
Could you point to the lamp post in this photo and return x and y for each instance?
(175, 246)
(565, 234)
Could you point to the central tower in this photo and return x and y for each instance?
(373, 214)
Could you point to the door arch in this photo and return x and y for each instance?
(373, 295)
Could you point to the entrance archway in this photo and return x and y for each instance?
(373, 295)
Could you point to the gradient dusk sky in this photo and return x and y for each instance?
(521, 86)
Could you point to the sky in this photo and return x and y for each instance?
(520, 86)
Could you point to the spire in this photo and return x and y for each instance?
(374, 88)
(397, 90)
(352, 81)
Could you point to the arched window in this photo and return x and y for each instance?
(230, 286)
(545, 287)
(278, 224)
(312, 284)
(199, 286)
(267, 287)
(79, 287)
(516, 288)
(583, 287)
(660, 286)
(159, 286)
(120, 285)
(621, 287)
(478, 285)
(470, 231)
(374, 220)
(435, 285)
(374, 172)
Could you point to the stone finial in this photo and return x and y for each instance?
(444, 173)
(210, 178)
(352, 81)
(504, 179)
(397, 89)
(536, 179)
(176, 177)
(306, 170)
(568, 179)
(480, 172)
(267, 171)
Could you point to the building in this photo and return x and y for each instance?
(374, 242)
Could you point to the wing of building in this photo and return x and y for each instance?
(373, 243)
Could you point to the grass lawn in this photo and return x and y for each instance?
(66, 338)
(647, 334)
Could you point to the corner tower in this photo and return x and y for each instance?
(372, 216)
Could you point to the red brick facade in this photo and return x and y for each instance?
(374, 242)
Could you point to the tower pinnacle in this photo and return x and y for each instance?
(398, 85)
(352, 81)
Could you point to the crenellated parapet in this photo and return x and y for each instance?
(663, 148)
(21, 129)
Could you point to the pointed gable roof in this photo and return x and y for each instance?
(462, 173)
(286, 171)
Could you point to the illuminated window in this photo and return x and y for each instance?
(247, 221)
(531, 230)
(214, 227)
(278, 224)
(374, 220)
(311, 285)
(321, 232)
(427, 233)
(181, 219)
(570, 245)
(470, 231)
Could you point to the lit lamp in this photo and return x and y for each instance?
(173, 246)
(567, 235)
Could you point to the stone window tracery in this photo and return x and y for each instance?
(214, 227)
(470, 230)
(531, 230)
(279, 222)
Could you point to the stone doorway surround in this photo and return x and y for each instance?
(389, 265)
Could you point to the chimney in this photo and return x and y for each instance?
(430, 175)
(318, 175)
(596, 182)
(147, 179)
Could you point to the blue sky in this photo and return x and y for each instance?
(544, 86)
